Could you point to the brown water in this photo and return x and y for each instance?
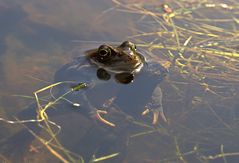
(38, 37)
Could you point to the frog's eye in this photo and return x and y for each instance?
(104, 51)
(129, 45)
(125, 44)
(133, 47)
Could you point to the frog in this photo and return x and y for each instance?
(117, 67)
(118, 85)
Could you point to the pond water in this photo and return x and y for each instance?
(196, 41)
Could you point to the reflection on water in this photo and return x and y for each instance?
(200, 95)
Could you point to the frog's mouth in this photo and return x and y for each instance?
(121, 66)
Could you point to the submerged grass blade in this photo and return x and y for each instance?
(104, 157)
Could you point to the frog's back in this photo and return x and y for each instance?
(77, 70)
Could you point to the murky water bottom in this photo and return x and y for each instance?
(39, 37)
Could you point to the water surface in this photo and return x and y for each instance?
(200, 96)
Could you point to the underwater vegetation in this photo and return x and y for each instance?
(198, 43)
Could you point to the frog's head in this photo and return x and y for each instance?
(117, 59)
(123, 60)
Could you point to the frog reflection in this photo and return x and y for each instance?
(135, 88)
